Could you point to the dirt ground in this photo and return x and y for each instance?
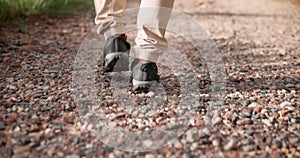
(260, 44)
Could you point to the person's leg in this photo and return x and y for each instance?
(152, 21)
(111, 22)
(110, 17)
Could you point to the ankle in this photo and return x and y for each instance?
(142, 60)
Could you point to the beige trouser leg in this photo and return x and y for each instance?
(110, 17)
(152, 21)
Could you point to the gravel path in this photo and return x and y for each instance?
(260, 44)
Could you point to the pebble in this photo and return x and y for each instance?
(287, 105)
(21, 149)
(17, 129)
(88, 146)
(73, 156)
(147, 143)
(217, 120)
(194, 146)
(215, 143)
(150, 156)
(257, 109)
(60, 154)
(69, 118)
(50, 152)
(267, 122)
(297, 120)
(231, 144)
(75, 140)
(24, 139)
(245, 141)
(111, 155)
(12, 118)
(2, 126)
(135, 113)
(248, 147)
(170, 114)
(294, 140)
(179, 146)
(190, 136)
(122, 114)
(253, 105)
(263, 111)
(35, 144)
(244, 121)
(150, 94)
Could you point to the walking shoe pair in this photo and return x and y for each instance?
(144, 74)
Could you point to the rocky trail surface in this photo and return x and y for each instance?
(260, 115)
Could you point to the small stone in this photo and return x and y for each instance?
(50, 152)
(274, 110)
(135, 113)
(287, 105)
(35, 144)
(264, 111)
(194, 146)
(179, 146)
(204, 132)
(69, 118)
(267, 122)
(75, 140)
(73, 156)
(247, 113)
(35, 135)
(215, 143)
(147, 143)
(60, 154)
(297, 120)
(190, 136)
(277, 143)
(170, 114)
(217, 120)
(253, 105)
(150, 94)
(198, 122)
(231, 144)
(248, 148)
(47, 130)
(150, 156)
(88, 146)
(257, 109)
(12, 118)
(185, 155)
(34, 117)
(21, 149)
(245, 141)
(24, 139)
(294, 140)
(68, 108)
(250, 132)
(5, 59)
(244, 121)
(34, 128)
(17, 129)
(274, 146)
(111, 155)
(119, 115)
(2, 126)
(57, 127)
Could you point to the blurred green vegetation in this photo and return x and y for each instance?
(16, 9)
